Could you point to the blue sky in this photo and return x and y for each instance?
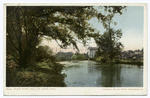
(131, 22)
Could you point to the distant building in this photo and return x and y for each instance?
(138, 52)
(91, 52)
(130, 54)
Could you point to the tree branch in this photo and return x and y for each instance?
(58, 44)
(12, 11)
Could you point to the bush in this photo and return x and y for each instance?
(45, 64)
(98, 58)
(43, 71)
(37, 79)
(81, 57)
(45, 74)
(10, 70)
(78, 57)
(101, 59)
(41, 77)
(74, 57)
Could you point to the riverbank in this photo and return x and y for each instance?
(139, 63)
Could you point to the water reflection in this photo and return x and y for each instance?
(110, 76)
(91, 74)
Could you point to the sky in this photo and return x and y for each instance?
(131, 22)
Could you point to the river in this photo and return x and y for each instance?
(93, 74)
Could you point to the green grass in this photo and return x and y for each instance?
(117, 61)
(44, 75)
(130, 62)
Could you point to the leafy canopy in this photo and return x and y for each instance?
(26, 25)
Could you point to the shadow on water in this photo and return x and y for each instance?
(109, 74)
(92, 74)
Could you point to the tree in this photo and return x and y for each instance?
(27, 25)
(44, 53)
(108, 43)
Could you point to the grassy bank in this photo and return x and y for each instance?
(117, 61)
(41, 76)
(129, 62)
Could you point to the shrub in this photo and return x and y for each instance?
(78, 57)
(101, 59)
(98, 58)
(74, 57)
(37, 79)
(45, 74)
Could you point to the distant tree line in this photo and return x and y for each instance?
(64, 56)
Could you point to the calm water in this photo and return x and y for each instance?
(92, 74)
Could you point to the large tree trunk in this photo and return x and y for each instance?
(20, 48)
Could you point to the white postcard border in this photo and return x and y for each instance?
(79, 90)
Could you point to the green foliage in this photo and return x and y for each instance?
(74, 57)
(61, 59)
(27, 25)
(36, 79)
(81, 57)
(98, 58)
(45, 74)
(108, 42)
(78, 56)
(44, 53)
(10, 70)
(102, 59)
(45, 64)
(62, 56)
(136, 62)
(10, 61)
